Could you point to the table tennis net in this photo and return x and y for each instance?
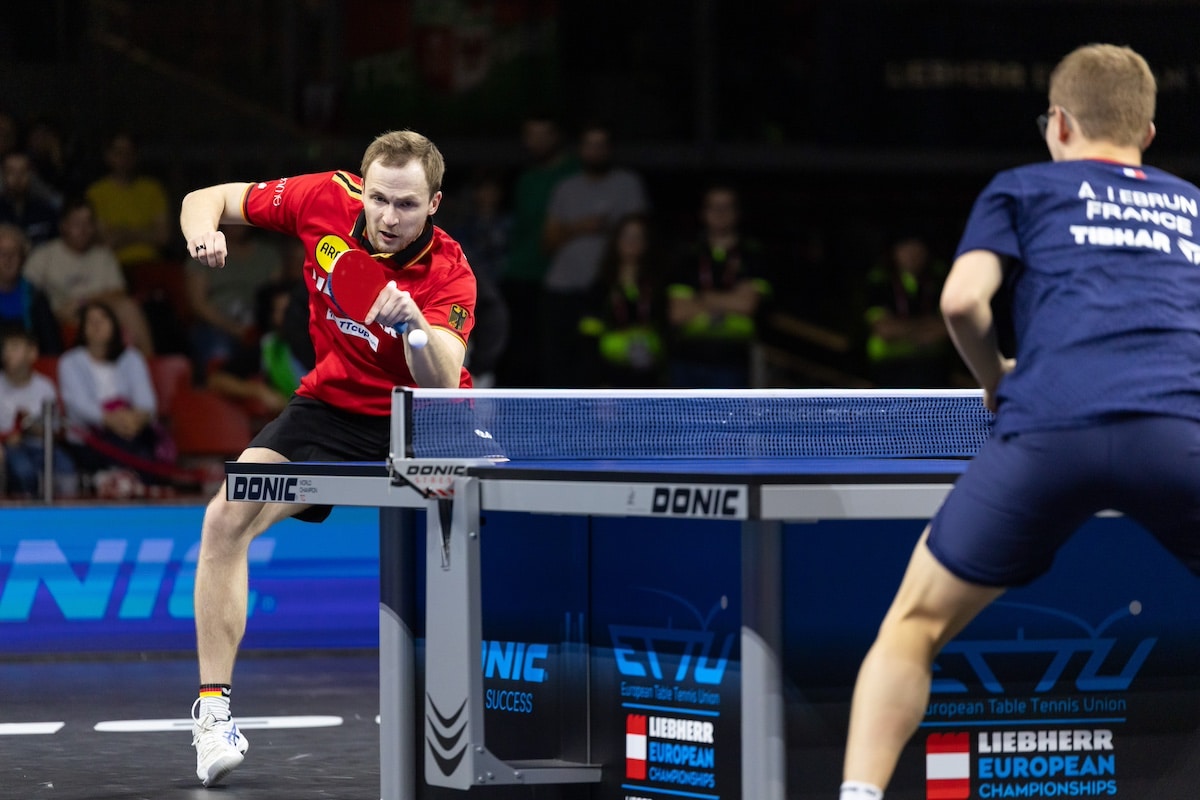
(631, 424)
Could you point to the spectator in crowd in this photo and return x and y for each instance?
(54, 160)
(628, 310)
(907, 342)
(525, 268)
(584, 209)
(111, 406)
(77, 268)
(223, 301)
(264, 374)
(10, 133)
(483, 227)
(22, 305)
(20, 205)
(25, 395)
(131, 208)
(717, 288)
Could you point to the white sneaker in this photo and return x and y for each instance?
(220, 746)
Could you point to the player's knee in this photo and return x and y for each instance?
(227, 525)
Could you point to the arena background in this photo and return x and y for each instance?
(842, 121)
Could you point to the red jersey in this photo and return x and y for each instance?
(358, 365)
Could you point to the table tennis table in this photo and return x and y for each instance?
(751, 484)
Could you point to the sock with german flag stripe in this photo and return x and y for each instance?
(214, 699)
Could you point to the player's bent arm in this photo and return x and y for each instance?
(966, 307)
(437, 365)
(203, 210)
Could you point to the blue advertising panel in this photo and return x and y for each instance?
(666, 689)
(646, 611)
(534, 655)
(110, 579)
(1081, 684)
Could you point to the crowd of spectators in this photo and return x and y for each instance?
(586, 279)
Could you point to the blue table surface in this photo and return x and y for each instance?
(775, 470)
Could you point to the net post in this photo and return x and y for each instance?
(401, 446)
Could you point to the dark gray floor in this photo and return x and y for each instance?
(79, 763)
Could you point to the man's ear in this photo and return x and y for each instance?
(1064, 126)
(1150, 134)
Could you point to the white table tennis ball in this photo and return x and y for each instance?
(418, 339)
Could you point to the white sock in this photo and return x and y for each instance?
(217, 706)
(857, 790)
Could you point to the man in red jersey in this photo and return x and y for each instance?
(341, 412)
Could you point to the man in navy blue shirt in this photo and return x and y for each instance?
(1100, 407)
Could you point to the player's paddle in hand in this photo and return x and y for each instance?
(355, 281)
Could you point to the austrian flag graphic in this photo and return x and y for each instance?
(947, 766)
(635, 746)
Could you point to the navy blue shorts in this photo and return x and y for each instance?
(1024, 495)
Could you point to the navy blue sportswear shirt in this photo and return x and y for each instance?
(1106, 297)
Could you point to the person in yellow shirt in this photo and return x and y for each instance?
(131, 208)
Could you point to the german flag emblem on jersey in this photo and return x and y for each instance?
(458, 317)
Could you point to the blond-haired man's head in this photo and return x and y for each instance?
(1109, 91)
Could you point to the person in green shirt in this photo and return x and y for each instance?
(527, 262)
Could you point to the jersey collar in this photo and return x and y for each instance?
(406, 257)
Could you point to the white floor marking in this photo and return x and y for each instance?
(29, 728)
(245, 723)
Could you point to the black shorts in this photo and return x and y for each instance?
(309, 430)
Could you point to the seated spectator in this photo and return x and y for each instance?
(111, 407)
(77, 268)
(20, 205)
(907, 342)
(222, 301)
(264, 375)
(713, 298)
(131, 208)
(24, 394)
(22, 305)
(628, 310)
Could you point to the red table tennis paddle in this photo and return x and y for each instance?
(355, 280)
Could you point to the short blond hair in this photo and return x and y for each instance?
(1109, 90)
(397, 148)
